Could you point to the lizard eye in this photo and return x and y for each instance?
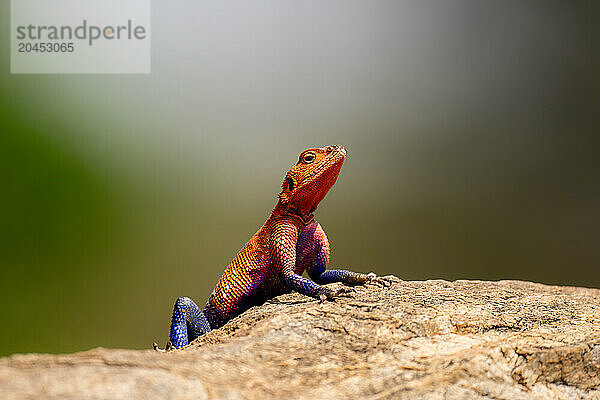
(290, 184)
(308, 158)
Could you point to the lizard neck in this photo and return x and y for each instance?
(282, 210)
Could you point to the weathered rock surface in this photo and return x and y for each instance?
(412, 340)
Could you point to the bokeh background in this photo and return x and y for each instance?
(472, 130)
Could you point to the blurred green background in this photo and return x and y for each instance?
(472, 130)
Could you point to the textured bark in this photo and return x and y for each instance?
(412, 340)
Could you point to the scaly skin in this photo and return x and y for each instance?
(272, 262)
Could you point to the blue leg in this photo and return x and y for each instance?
(188, 322)
(318, 272)
(313, 250)
(340, 275)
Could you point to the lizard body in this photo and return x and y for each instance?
(272, 262)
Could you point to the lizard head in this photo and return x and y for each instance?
(307, 183)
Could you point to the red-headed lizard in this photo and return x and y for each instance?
(272, 262)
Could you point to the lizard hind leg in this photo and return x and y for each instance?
(187, 323)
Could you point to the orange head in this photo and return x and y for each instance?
(307, 183)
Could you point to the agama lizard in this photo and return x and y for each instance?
(272, 262)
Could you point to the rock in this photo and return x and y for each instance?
(410, 340)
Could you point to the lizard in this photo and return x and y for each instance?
(272, 262)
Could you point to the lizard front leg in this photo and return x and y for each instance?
(313, 245)
(283, 252)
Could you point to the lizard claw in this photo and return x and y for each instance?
(168, 347)
(383, 281)
(156, 348)
(330, 294)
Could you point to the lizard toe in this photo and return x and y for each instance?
(382, 281)
(158, 349)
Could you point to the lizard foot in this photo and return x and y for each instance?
(330, 294)
(168, 347)
(382, 281)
